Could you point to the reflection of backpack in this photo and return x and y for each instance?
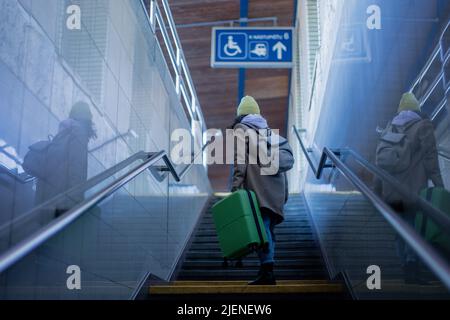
(41, 153)
(36, 157)
(395, 149)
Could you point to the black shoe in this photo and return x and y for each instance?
(266, 277)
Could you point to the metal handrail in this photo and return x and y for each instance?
(444, 155)
(430, 257)
(194, 158)
(437, 112)
(21, 178)
(313, 88)
(183, 82)
(305, 151)
(442, 56)
(23, 248)
(81, 188)
(323, 159)
(435, 214)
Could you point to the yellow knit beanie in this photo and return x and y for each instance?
(248, 106)
(409, 102)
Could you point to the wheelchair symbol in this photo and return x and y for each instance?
(232, 49)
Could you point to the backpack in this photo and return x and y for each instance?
(43, 153)
(395, 149)
(286, 157)
(35, 158)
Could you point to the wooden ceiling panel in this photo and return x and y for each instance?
(257, 87)
(282, 9)
(260, 73)
(187, 12)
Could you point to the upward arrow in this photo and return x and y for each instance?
(279, 47)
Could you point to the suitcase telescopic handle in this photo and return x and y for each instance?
(255, 216)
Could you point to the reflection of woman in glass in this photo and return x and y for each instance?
(67, 161)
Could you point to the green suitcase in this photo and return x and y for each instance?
(439, 198)
(239, 225)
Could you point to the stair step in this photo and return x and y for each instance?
(281, 246)
(217, 254)
(280, 238)
(242, 283)
(282, 287)
(285, 225)
(252, 262)
(287, 218)
(203, 264)
(304, 230)
(248, 274)
(281, 227)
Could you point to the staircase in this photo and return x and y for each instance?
(299, 268)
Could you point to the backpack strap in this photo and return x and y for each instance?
(404, 129)
(250, 126)
(269, 132)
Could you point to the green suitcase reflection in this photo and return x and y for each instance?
(439, 198)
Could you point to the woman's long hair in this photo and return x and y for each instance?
(237, 120)
(90, 128)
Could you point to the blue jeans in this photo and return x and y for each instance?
(268, 255)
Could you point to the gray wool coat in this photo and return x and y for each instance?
(425, 164)
(271, 190)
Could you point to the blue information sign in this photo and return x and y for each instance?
(252, 47)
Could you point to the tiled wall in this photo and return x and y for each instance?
(116, 66)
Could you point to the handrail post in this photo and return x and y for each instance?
(305, 151)
(152, 16)
(322, 163)
(178, 72)
(194, 106)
